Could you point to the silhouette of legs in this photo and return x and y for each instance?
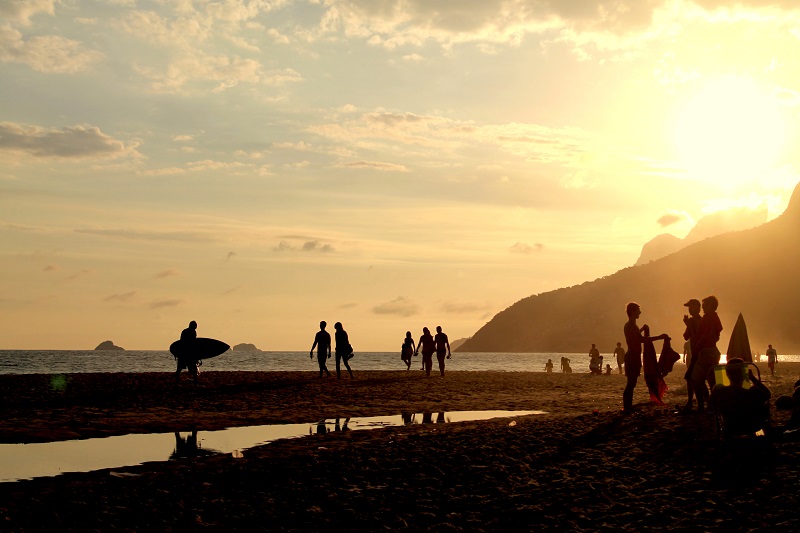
(440, 358)
(627, 394)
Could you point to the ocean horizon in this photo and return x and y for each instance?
(101, 361)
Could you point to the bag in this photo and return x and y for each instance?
(350, 353)
(667, 359)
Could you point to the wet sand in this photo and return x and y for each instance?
(583, 466)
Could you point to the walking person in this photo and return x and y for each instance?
(772, 359)
(187, 358)
(407, 350)
(442, 348)
(428, 345)
(343, 350)
(633, 357)
(322, 342)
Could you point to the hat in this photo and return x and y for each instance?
(692, 302)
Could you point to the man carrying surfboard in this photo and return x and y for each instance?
(187, 358)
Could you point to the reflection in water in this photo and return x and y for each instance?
(26, 461)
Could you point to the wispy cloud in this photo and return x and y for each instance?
(307, 246)
(523, 248)
(170, 272)
(76, 142)
(464, 308)
(400, 306)
(123, 297)
(169, 302)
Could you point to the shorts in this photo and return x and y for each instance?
(707, 359)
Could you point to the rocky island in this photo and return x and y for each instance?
(108, 345)
(245, 347)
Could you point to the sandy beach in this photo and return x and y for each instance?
(582, 466)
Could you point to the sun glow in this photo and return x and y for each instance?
(730, 133)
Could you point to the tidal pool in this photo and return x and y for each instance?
(27, 461)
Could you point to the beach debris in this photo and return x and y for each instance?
(512, 423)
(237, 454)
(123, 474)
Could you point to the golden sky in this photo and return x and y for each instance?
(259, 166)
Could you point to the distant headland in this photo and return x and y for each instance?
(108, 345)
(245, 347)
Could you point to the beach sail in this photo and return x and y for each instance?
(739, 346)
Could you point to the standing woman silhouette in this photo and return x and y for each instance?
(343, 349)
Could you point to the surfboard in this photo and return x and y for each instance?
(202, 348)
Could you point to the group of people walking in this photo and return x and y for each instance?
(428, 344)
(343, 349)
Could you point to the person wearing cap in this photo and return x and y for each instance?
(705, 352)
(692, 321)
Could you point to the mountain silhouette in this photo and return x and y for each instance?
(753, 272)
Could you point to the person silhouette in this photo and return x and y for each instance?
(548, 366)
(565, 365)
(428, 345)
(442, 348)
(744, 410)
(692, 321)
(705, 354)
(187, 358)
(619, 353)
(633, 357)
(772, 359)
(343, 349)
(595, 362)
(407, 350)
(322, 341)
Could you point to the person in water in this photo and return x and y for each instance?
(343, 349)
(548, 366)
(187, 358)
(407, 350)
(428, 345)
(595, 361)
(619, 353)
(442, 348)
(633, 357)
(322, 342)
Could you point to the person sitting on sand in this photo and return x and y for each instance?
(428, 345)
(187, 358)
(548, 366)
(322, 341)
(608, 370)
(744, 410)
(633, 357)
(442, 348)
(343, 350)
(407, 350)
(595, 362)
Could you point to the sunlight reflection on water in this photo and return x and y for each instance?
(27, 461)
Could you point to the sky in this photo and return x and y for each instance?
(259, 166)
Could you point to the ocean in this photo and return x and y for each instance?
(88, 361)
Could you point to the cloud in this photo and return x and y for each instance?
(45, 53)
(400, 306)
(120, 297)
(307, 246)
(464, 308)
(170, 272)
(76, 142)
(22, 11)
(522, 248)
(146, 235)
(158, 304)
(671, 218)
(377, 165)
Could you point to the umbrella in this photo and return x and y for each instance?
(739, 346)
